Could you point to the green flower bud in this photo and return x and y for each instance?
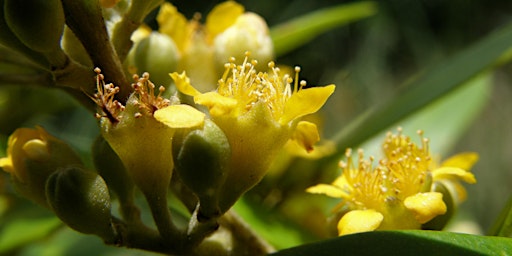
(156, 54)
(32, 156)
(37, 23)
(201, 159)
(440, 221)
(80, 199)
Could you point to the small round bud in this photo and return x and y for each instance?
(156, 54)
(80, 199)
(201, 159)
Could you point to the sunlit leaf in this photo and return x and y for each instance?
(415, 242)
(299, 31)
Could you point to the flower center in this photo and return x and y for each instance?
(249, 87)
(104, 98)
(148, 102)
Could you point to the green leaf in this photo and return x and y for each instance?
(503, 225)
(299, 31)
(412, 242)
(428, 87)
(443, 121)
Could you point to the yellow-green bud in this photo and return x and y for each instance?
(440, 221)
(32, 155)
(37, 23)
(80, 199)
(156, 54)
(202, 159)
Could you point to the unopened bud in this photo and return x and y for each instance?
(32, 155)
(80, 199)
(156, 54)
(202, 159)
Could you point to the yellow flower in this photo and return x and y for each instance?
(32, 155)
(141, 132)
(395, 194)
(259, 113)
(203, 49)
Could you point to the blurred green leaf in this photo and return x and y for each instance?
(299, 31)
(427, 87)
(443, 121)
(412, 242)
(19, 232)
(503, 225)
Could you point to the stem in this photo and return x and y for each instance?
(247, 242)
(85, 19)
(162, 217)
(129, 23)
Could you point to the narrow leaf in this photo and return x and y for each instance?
(299, 31)
(503, 225)
(428, 87)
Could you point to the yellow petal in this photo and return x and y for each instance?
(341, 182)
(217, 104)
(425, 206)
(359, 221)
(36, 149)
(222, 16)
(180, 116)
(173, 24)
(183, 84)
(451, 173)
(464, 160)
(306, 134)
(6, 164)
(305, 102)
(327, 190)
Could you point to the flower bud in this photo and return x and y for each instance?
(156, 54)
(80, 199)
(37, 23)
(440, 221)
(248, 34)
(201, 159)
(32, 155)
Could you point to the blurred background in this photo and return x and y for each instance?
(369, 61)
